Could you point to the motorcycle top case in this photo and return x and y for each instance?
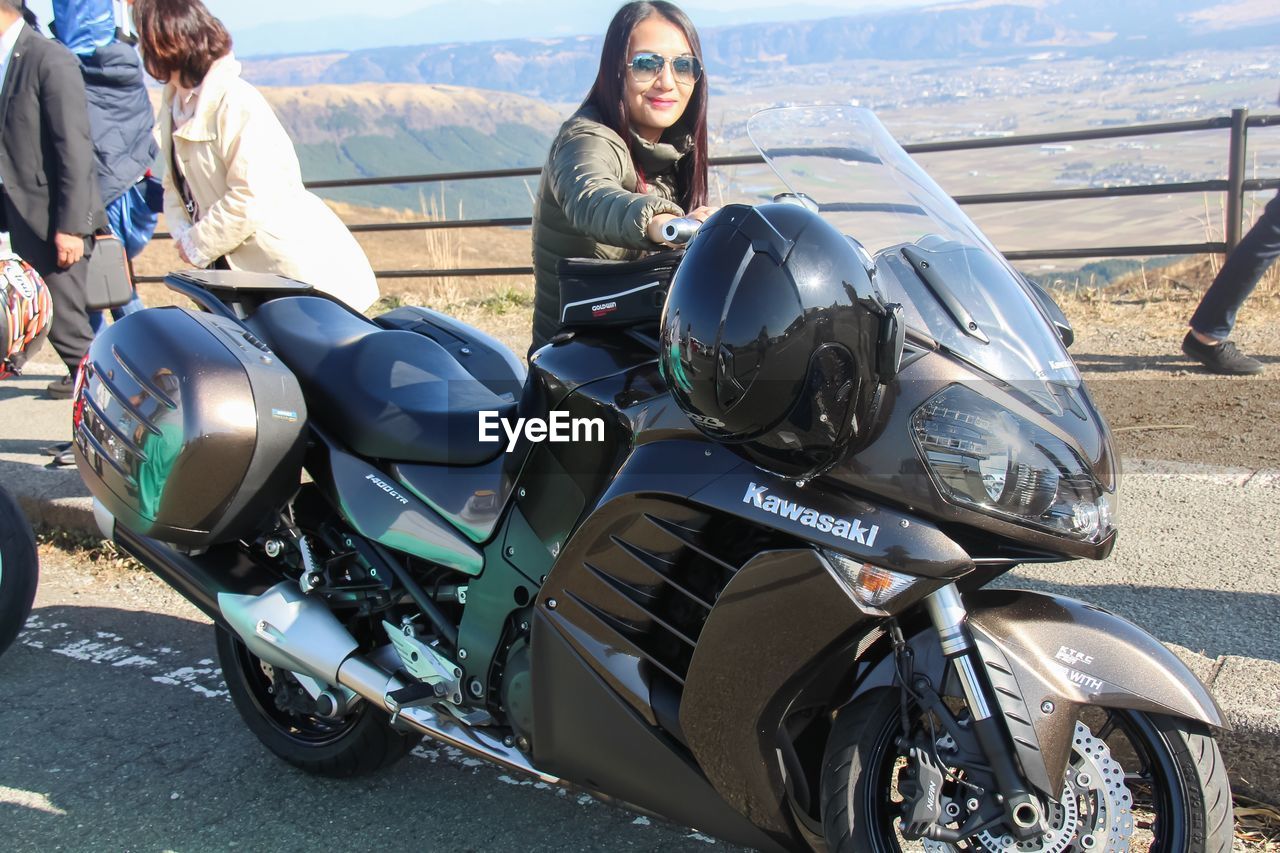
(187, 428)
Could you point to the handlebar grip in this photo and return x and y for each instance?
(680, 230)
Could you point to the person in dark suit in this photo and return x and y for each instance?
(51, 205)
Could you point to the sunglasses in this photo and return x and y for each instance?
(645, 67)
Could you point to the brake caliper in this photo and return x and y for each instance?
(921, 786)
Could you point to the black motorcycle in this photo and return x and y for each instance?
(730, 573)
(19, 569)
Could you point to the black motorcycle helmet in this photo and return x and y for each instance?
(771, 338)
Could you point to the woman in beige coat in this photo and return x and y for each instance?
(243, 202)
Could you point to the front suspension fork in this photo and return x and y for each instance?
(947, 612)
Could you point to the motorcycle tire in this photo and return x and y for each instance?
(1188, 780)
(19, 569)
(358, 744)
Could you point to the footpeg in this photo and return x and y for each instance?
(427, 665)
(418, 693)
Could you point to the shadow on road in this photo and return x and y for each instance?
(1213, 622)
(14, 392)
(1172, 363)
(30, 446)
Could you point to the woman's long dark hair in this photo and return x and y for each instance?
(606, 94)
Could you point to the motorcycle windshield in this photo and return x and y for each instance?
(952, 283)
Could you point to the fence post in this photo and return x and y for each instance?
(1235, 175)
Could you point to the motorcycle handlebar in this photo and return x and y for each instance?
(680, 230)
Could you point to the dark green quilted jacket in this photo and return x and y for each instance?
(588, 206)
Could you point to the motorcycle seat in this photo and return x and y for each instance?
(386, 394)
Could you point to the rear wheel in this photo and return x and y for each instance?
(19, 569)
(1135, 782)
(272, 703)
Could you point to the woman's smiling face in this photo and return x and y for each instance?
(654, 106)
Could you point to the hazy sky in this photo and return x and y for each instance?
(247, 13)
(242, 14)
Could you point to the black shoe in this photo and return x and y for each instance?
(55, 449)
(1221, 358)
(61, 389)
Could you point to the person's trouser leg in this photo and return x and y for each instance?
(1244, 267)
(70, 332)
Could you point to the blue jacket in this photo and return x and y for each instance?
(120, 115)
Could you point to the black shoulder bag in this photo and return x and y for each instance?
(109, 277)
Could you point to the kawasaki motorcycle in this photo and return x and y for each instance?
(640, 610)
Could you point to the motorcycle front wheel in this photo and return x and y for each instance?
(272, 704)
(1136, 781)
(19, 569)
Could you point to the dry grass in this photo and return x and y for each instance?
(1257, 826)
(1156, 304)
(92, 551)
(1163, 299)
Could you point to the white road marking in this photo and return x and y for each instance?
(115, 651)
(29, 800)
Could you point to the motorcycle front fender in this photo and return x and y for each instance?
(1047, 657)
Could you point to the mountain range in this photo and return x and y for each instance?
(561, 68)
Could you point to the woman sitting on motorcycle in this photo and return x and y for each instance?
(234, 197)
(631, 158)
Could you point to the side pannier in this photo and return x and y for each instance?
(187, 428)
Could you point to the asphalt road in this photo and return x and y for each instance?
(116, 732)
(1197, 564)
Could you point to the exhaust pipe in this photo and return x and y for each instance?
(287, 629)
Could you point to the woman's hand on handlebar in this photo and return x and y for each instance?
(682, 228)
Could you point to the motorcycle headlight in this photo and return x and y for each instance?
(985, 457)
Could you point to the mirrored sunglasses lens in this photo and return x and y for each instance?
(686, 68)
(646, 66)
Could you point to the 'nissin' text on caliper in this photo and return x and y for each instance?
(850, 529)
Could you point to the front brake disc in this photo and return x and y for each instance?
(1094, 813)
